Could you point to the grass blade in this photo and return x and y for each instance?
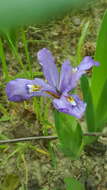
(26, 52)
(81, 41)
(3, 60)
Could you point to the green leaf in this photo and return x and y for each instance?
(70, 134)
(101, 111)
(11, 182)
(17, 12)
(100, 73)
(90, 113)
(5, 118)
(3, 146)
(73, 184)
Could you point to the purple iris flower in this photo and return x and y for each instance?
(58, 85)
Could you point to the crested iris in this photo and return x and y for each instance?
(58, 85)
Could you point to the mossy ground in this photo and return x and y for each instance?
(40, 165)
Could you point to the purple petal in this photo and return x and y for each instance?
(77, 72)
(46, 89)
(65, 76)
(44, 86)
(87, 63)
(21, 89)
(16, 90)
(71, 105)
(49, 68)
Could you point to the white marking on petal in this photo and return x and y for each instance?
(73, 103)
(30, 88)
(33, 88)
(74, 70)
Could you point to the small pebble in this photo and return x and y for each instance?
(76, 21)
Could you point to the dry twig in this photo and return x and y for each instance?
(46, 138)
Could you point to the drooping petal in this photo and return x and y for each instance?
(77, 72)
(47, 61)
(23, 89)
(65, 76)
(87, 63)
(71, 105)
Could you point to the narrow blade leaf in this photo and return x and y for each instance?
(89, 114)
(101, 111)
(100, 73)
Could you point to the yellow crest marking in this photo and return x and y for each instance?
(52, 94)
(71, 100)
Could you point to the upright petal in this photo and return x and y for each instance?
(49, 68)
(23, 89)
(71, 105)
(65, 76)
(78, 71)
